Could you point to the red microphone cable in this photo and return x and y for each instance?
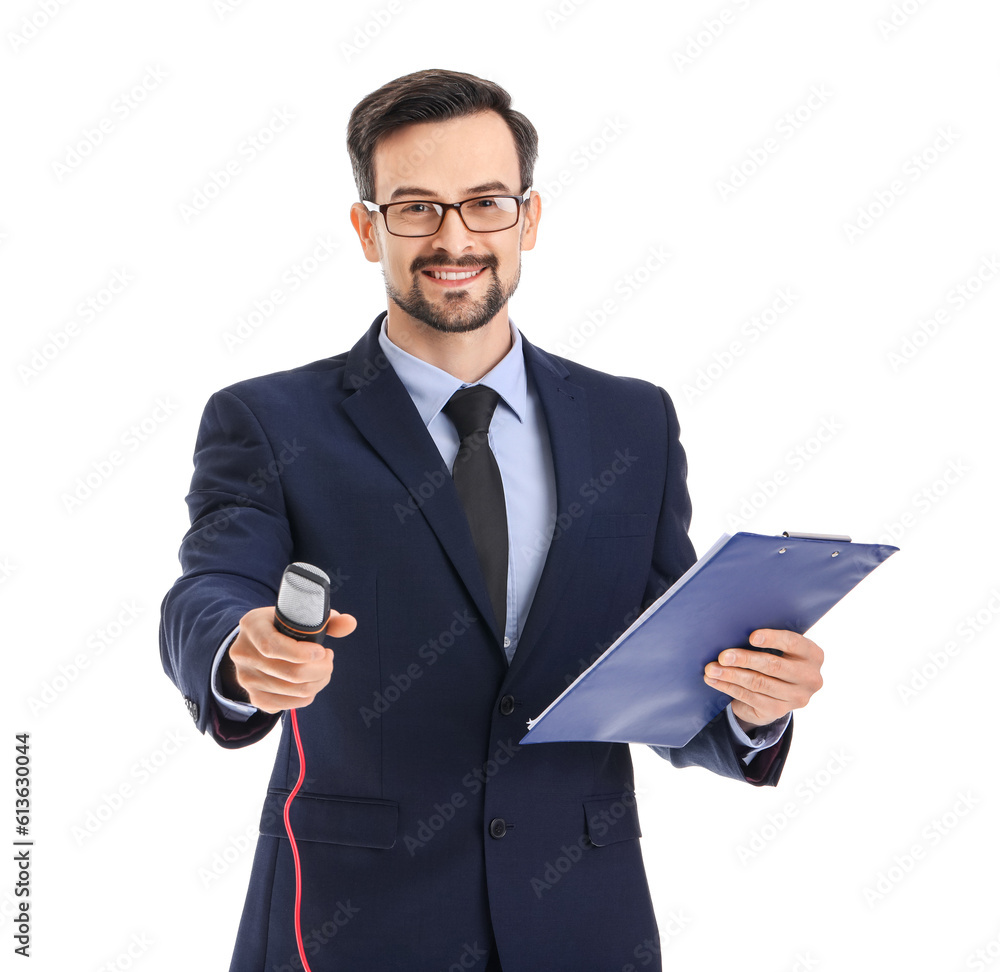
(291, 840)
(302, 612)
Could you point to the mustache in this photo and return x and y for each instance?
(490, 262)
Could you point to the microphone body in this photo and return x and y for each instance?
(303, 608)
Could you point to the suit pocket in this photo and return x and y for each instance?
(620, 525)
(354, 821)
(610, 818)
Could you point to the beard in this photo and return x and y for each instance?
(457, 311)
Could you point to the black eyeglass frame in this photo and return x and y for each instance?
(443, 207)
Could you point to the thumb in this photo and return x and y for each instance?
(340, 625)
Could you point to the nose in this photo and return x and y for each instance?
(454, 235)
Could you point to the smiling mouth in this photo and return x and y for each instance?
(454, 274)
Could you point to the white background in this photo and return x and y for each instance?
(824, 411)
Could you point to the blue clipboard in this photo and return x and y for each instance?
(649, 687)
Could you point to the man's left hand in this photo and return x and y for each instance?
(765, 687)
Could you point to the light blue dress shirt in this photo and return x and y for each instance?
(519, 438)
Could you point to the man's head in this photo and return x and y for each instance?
(442, 136)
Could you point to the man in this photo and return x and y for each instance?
(426, 833)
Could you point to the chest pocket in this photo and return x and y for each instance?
(609, 525)
(353, 821)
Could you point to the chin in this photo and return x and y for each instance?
(453, 326)
(462, 321)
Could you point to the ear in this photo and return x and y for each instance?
(532, 209)
(364, 224)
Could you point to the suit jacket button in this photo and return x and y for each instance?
(498, 827)
(192, 707)
(507, 705)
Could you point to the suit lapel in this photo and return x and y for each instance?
(384, 413)
(565, 408)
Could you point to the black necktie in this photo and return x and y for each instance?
(480, 488)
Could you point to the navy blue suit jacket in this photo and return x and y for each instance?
(423, 827)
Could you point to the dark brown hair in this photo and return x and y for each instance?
(431, 95)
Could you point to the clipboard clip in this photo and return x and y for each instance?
(837, 538)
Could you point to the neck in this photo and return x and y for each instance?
(468, 355)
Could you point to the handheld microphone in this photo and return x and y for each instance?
(303, 607)
(302, 613)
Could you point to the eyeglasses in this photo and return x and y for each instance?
(419, 217)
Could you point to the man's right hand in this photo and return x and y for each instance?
(275, 672)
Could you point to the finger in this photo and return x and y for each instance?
(278, 702)
(759, 661)
(799, 664)
(746, 685)
(790, 643)
(313, 660)
(340, 625)
(290, 674)
(271, 643)
(752, 706)
(798, 683)
(256, 681)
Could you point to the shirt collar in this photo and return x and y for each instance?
(431, 387)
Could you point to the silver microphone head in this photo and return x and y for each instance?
(304, 598)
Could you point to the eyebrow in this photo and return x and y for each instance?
(418, 192)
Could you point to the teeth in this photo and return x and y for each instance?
(454, 276)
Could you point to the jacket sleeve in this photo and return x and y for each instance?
(715, 747)
(232, 559)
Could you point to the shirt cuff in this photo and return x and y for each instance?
(763, 736)
(237, 711)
